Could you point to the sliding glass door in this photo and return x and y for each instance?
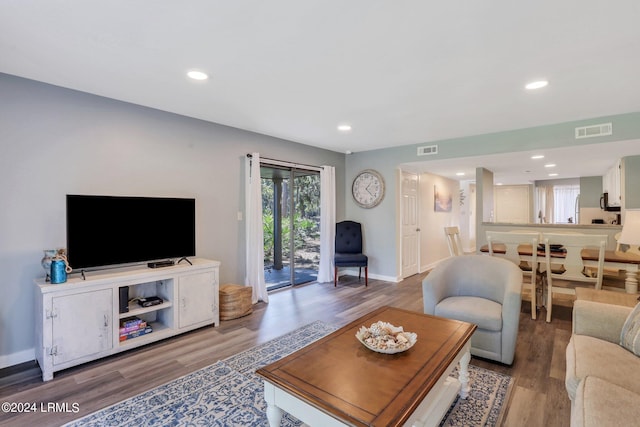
(291, 225)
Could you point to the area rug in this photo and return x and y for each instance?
(229, 394)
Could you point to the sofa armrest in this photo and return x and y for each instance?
(598, 320)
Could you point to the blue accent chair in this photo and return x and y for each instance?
(348, 251)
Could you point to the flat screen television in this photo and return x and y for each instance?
(111, 230)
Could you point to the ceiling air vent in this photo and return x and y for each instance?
(594, 130)
(427, 150)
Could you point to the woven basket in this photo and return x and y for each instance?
(235, 301)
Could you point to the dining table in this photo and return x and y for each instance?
(615, 260)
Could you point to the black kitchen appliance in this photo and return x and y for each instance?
(604, 204)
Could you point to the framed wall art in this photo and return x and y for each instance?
(442, 199)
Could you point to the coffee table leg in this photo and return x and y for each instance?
(274, 414)
(463, 374)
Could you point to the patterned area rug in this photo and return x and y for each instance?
(483, 407)
(229, 394)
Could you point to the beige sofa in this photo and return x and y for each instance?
(603, 378)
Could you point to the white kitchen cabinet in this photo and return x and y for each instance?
(79, 321)
(611, 184)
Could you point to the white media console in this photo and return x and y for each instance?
(79, 321)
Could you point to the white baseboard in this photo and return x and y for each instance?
(430, 266)
(385, 278)
(17, 358)
(351, 272)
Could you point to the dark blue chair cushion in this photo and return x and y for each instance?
(350, 260)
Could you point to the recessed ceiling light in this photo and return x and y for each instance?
(553, 174)
(499, 183)
(550, 165)
(537, 156)
(348, 152)
(197, 75)
(460, 173)
(344, 128)
(536, 85)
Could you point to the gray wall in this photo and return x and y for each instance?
(55, 141)
(484, 196)
(632, 182)
(590, 191)
(379, 223)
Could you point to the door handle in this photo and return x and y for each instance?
(417, 229)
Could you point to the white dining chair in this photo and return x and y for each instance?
(527, 263)
(563, 262)
(452, 235)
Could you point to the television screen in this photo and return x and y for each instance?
(110, 230)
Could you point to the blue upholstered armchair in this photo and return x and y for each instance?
(482, 290)
(348, 251)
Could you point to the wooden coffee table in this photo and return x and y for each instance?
(337, 381)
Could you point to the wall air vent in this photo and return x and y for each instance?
(594, 130)
(427, 150)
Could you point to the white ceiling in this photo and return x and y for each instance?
(400, 72)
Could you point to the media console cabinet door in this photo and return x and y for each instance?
(82, 325)
(197, 294)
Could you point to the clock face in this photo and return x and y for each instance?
(368, 188)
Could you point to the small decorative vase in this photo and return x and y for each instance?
(59, 268)
(49, 254)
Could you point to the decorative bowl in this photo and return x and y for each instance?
(383, 337)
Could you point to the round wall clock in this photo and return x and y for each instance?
(368, 188)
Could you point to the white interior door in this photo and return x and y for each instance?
(410, 229)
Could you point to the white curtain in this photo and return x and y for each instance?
(255, 239)
(327, 222)
(564, 201)
(544, 204)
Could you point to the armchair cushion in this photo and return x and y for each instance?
(485, 313)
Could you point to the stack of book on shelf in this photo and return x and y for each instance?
(133, 327)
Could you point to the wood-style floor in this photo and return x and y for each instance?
(538, 399)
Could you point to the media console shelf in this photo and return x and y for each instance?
(79, 321)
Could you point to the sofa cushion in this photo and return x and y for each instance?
(630, 335)
(485, 313)
(591, 356)
(600, 403)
